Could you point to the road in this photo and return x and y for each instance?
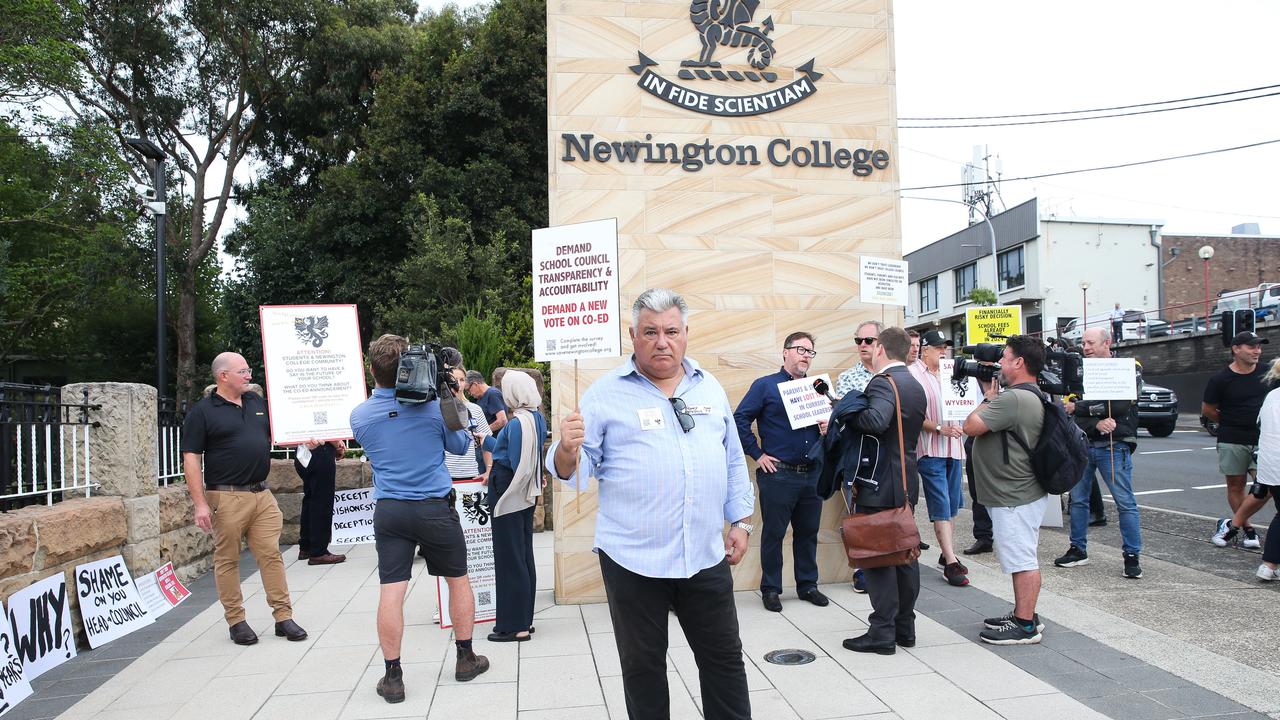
(1180, 473)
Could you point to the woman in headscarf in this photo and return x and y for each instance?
(515, 482)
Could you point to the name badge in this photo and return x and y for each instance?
(698, 409)
(651, 419)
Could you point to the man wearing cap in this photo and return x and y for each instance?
(786, 477)
(940, 457)
(1233, 398)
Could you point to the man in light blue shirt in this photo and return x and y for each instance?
(658, 435)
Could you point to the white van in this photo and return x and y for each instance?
(1264, 299)
(1137, 326)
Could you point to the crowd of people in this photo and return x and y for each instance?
(669, 455)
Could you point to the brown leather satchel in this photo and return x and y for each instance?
(888, 537)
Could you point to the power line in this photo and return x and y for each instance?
(1091, 117)
(1103, 109)
(1095, 169)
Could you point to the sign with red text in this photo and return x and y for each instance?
(472, 505)
(314, 370)
(575, 291)
(804, 405)
(161, 590)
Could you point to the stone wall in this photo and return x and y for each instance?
(1239, 262)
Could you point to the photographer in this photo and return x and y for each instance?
(1007, 485)
(1112, 429)
(405, 442)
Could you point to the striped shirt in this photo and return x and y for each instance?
(665, 495)
(934, 444)
(464, 466)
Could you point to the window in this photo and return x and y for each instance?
(929, 295)
(1011, 269)
(966, 281)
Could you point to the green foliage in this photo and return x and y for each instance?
(480, 342)
(37, 48)
(982, 296)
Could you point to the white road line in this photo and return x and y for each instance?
(1162, 452)
(1211, 447)
(1208, 487)
(1186, 431)
(1183, 513)
(1157, 492)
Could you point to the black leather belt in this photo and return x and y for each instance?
(793, 468)
(255, 487)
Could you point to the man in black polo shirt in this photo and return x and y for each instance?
(232, 432)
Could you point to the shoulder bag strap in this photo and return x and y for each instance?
(902, 453)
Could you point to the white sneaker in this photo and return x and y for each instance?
(1225, 533)
(1266, 574)
(1250, 540)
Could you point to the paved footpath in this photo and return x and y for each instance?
(1092, 664)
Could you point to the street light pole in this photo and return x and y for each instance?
(1206, 254)
(1084, 310)
(154, 157)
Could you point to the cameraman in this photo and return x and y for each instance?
(1112, 429)
(1007, 485)
(406, 444)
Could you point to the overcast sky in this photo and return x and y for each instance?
(1005, 56)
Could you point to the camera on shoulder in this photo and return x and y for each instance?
(1063, 372)
(423, 374)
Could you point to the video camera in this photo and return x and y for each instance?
(424, 375)
(1063, 372)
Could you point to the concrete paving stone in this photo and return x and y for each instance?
(928, 697)
(857, 604)
(559, 612)
(1067, 640)
(566, 636)
(316, 706)
(929, 633)
(961, 620)
(316, 615)
(774, 633)
(504, 662)
(425, 643)
(96, 669)
(604, 648)
(365, 597)
(808, 617)
(1102, 657)
(1195, 701)
(771, 704)
(1247, 715)
(559, 682)
(67, 687)
(597, 619)
(595, 712)
(335, 668)
(235, 698)
(1044, 663)
(1132, 706)
(821, 689)
(864, 666)
(980, 673)
(41, 708)
(930, 603)
(178, 678)
(216, 641)
(1044, 707)
(350, 628)
(1085, 684)
(545, 576)
(675, 633)
(419, 689)
(1144, 677)
(680, 660)
(278, 653)
(460, 701)
(683, 705)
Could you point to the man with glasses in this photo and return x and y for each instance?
(658, 436)
(230, 432)
(857, 377)
(785, 476)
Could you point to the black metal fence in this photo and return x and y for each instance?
(44, 445)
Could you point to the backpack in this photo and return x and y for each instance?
(1061, 453)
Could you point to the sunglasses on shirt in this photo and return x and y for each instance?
(682, 414)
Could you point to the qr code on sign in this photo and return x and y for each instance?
(484, 597)
(551, 346)
(320, 417)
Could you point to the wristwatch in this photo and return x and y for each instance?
(745, 526)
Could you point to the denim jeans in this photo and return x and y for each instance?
(789, 499)
(1100, 461)
(940, 479)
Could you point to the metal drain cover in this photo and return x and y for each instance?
(789, 657)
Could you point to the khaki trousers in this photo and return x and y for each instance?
(237, 515)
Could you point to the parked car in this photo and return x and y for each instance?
(1137, 326)
(1157, 410)
(1185, 327)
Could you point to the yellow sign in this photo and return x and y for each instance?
(983, 322)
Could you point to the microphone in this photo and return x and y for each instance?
(823, 389)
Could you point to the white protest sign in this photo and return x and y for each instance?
(472, 505)
(14, 686)
(314, 370)
(957, 403)
(40, 625)
(882, 281)
(109, 602)
(804, 405)
(353, 516)
(161, 590)
(1110, 379)
(575, 291)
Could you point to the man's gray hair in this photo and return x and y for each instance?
(659, 300)
(879, 326)
(474, 376)
(1104, 335)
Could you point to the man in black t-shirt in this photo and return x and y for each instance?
(1233, 398)
(230, 432)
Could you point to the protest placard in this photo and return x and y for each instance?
(14, 686)
(161, 590)
(40, 625)
(1110, 379)
(472, 504)
(109, 601)
(983, 323)
(314, 370)
(957, 402)
(353, 516)
(575, 291)
(882, 281)
(804, 405)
